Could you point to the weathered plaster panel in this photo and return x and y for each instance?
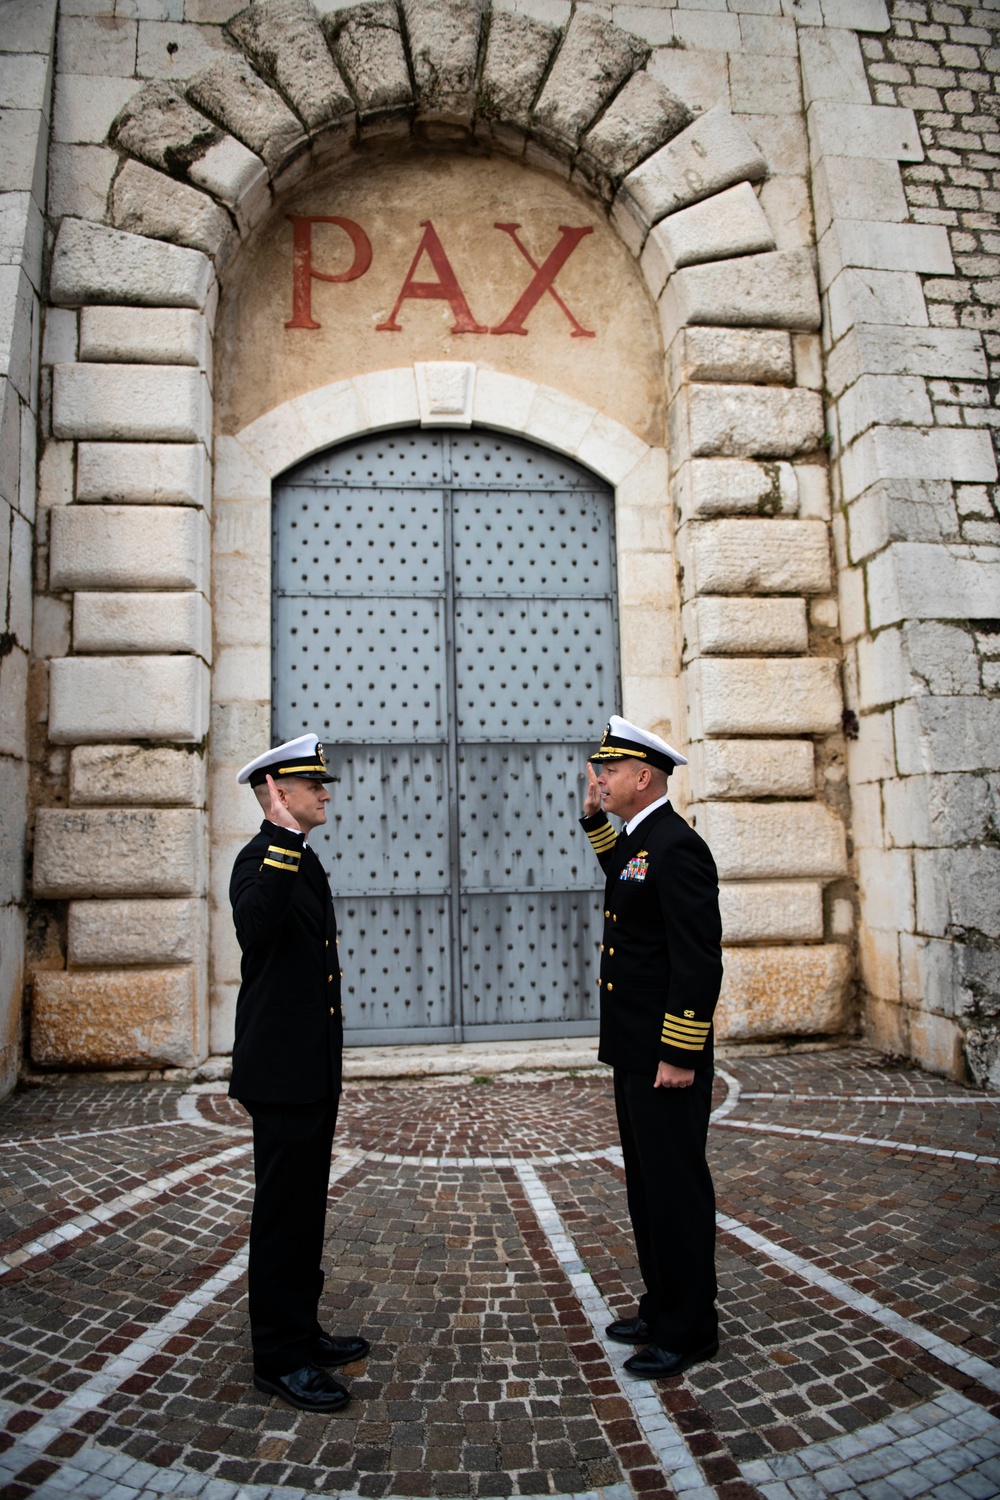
(618, 371)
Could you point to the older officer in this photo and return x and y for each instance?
(287, 1073)
(661, 968)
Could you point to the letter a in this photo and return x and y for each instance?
(445, 289)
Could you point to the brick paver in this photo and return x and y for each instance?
(479, 1235)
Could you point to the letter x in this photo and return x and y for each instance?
(542, 280)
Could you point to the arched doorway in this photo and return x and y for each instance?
(444, 616)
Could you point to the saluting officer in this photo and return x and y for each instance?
(287, 1073)
(661, 969)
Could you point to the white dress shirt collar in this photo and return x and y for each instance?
(633, 823)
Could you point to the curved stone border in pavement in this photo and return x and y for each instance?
(929, 1445)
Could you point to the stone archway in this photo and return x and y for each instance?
(747, 475)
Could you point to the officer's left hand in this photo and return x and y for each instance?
(669, 1077)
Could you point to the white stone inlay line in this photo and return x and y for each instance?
(80, 1223)
(188, 1113)
(948, 1353)
(130, 1361)
(86, 1135)
(732, 1095)
(877, 1098)
(909, 1452)
(551, 1159)
(101, 1471)
(681, 1469)
(886, 1144)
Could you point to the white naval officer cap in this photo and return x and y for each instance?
(625, 741)
(301, 757)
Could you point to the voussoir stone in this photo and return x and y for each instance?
(285, 43)
(517, 54)
(230, 91)
(767, 695)
(368, 46)
(729, 223)
(163, 130)
(143, 402)
(593, 62)
(724, 625)
(757, 557)
(712, 153)
(773, 840)
(746, 421)
(92, 263)
(94, 699)
(147, 202)
(113, 1019)
(744, 356)
(761, 911)
(786, 991)
(134, 775)
(774, 290)
(156, 852)
(145, 473)
(444, 49)
(148, 335)
(160, 931)
(735, 486)
(642, 118)
(128, 547)
(126, 622)
(746, 768)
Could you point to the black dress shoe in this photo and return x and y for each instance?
(329, 1351)
(655, 1363)
(310, 1389)
(629, 1331)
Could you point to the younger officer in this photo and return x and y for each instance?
(661, 968)
(287, 1073)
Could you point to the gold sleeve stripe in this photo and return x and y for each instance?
(285, 853)
(680, 1036)
(277, 865)
(603, 838)
(687, 1023)
(672, 1041)
(684, 1035)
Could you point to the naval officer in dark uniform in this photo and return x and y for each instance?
(287, 1073)
(661, 969)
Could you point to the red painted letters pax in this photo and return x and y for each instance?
(446, 288)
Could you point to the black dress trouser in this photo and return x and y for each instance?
(292, 1145)
(671, 1202)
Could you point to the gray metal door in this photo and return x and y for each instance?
(444, 618)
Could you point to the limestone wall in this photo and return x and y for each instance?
(909, 257)
(27, 39)
(803, 299)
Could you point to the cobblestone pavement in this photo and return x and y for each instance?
(478, 1234)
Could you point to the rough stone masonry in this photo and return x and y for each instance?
(789, 209)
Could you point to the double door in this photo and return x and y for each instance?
(444, 619)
